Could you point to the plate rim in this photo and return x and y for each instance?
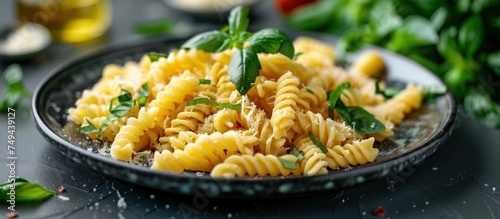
(437, 137)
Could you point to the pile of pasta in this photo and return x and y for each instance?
(287, 102)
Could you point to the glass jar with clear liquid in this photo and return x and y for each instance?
(69, 21)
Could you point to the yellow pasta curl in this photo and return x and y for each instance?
(285, 103)
(205, 152)
(252, 165)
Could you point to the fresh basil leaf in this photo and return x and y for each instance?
(439, 17)
(212, 41)
(494, 62)
(244, 68)
(153, 57)
(317, 143)
(388, 93)
(483, 108)
(13, 74)
(238, 20)
(288, 164)
(205, 81)
(271, 41)
(154, 27)
(479, 6)
(415, 32)
(143, 95)
(89, 128)
(213, 103)
(25, 192)
(334, 95)
(471, 35)
(105, 124)
(359, 119)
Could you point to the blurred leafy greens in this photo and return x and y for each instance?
(12, 77)
(457, 40)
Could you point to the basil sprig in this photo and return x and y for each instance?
(354, 116)
(16, 90)
(244, 66)
(25, 192)
(125, 104)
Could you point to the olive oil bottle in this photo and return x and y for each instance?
(67, 20)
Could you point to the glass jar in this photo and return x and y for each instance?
(67, 20)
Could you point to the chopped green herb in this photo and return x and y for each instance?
(298, 154)
(153, 56)
(16, 90)
(388, 93)
(317, 143)
(24, 191)
(288, 164)
(309, 90)
(354, 116)
(89, 128)
(125, 104)
(214, 103)
(205, 81)
(334, 95)
(143, 95)
(359, 119)
(105, 124)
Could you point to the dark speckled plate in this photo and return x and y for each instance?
(416, 138)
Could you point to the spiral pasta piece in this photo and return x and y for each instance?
(206, 152)
(357, 153)
(173, 95)
(314, 162)
(125, 141)
(252, 165)
(284, 105)
(328, 131)
(87, 111)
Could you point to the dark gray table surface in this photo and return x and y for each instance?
(460, 180)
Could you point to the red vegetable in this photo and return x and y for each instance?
(286, 7)
(11, 215)
(379, 211)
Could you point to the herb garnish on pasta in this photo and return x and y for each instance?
(238, 104)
